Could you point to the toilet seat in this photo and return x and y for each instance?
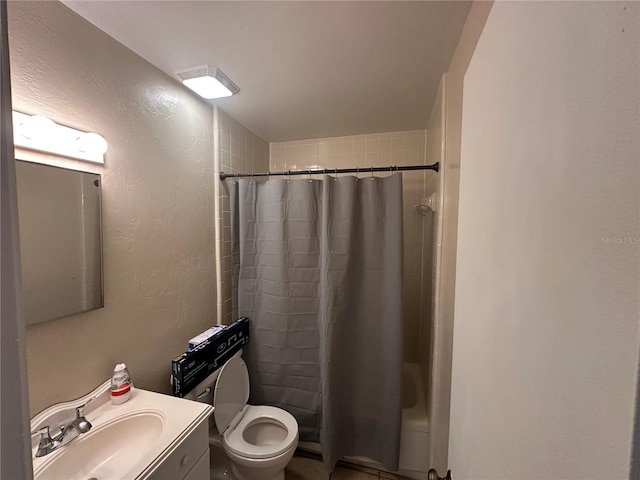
(233, 417)
(234, 439)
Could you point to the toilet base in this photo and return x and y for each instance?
(243, 473)
(223, 468)
(259, 469)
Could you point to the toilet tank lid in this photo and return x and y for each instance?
(231, 393)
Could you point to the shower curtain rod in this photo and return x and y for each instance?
(326, 171)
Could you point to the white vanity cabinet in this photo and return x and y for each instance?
(150, 437)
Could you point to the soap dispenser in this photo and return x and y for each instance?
(120, 384)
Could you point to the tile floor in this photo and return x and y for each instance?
(309, 467)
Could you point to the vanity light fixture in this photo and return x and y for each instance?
(35, 132)
(207, 86)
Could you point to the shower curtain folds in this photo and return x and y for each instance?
(317, 266)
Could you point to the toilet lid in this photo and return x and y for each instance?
(231, 393)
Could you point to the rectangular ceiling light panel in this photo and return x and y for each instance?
(207, 86)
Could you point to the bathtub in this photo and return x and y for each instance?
(414, 436)
(414, 439)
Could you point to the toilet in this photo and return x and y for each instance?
(258, 441)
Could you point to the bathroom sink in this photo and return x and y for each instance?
(130, 441)
(106, 452)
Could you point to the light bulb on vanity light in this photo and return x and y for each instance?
(92, 143)
(37, 128)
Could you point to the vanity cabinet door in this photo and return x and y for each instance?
(201, 470)
(184, 458)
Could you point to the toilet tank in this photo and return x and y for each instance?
(203, 392)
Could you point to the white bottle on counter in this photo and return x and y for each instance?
(120, 384)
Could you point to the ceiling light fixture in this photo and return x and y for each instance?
(35, 132)
(205, 85)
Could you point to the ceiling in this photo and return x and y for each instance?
(305, 69)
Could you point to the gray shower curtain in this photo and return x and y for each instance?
(318, 270)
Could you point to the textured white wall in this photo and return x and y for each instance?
(547, 305)
(158, 199)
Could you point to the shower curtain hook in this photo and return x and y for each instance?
(336, 177)
(288, 176)
(371, 172)
(357, 173)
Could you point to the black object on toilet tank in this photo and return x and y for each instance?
(192, 367)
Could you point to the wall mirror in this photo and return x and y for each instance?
(59, 211)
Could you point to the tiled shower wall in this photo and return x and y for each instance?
(237, 150)
(380, 150)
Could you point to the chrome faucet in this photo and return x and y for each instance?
(68, 432)
(80, 423)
